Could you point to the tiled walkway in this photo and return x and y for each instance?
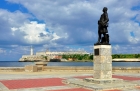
(32, 83)
(55, 83)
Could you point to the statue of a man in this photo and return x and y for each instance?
(102, 28)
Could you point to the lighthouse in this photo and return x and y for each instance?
(32, 53)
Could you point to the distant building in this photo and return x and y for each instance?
(32, 51)
(66, 53)
(50, 55)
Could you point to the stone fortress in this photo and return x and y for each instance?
(40, 56)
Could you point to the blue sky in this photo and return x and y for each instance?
(63, 25)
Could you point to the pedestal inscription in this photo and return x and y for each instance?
(96, 51)
(102, 62)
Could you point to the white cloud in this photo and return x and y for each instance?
(2, 51)
(55, 36)
(121, 32)
(35, 33)
(9, 20)
(16, 18)
(125, 49)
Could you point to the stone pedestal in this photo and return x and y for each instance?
(102, 62)
(40, 65)
(103, 65)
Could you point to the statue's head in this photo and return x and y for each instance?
(105, 9)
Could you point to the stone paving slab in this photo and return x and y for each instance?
(98, 87)
(3, 87)
(136, 82)
(22, 76)
(129, 74)
(74, 89)
(45, 88)
(129, 78)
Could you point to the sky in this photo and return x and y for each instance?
(66, 25)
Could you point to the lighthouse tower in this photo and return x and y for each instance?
(32, 53)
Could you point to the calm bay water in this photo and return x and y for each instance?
(22, 64)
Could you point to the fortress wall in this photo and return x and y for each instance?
(26, 56)
(40, 53)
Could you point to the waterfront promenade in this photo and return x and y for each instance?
(55, 80)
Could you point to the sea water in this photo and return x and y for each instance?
(22, 64)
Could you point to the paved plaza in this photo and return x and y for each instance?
(55, 81)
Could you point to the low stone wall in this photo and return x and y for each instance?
(71, 68)
(12, 69)
(65, 68)
(126, 69)
(114, 69)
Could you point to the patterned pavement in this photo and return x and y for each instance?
(55, 82)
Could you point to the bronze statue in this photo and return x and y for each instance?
(102, 28)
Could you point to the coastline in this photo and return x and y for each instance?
(113, 60)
